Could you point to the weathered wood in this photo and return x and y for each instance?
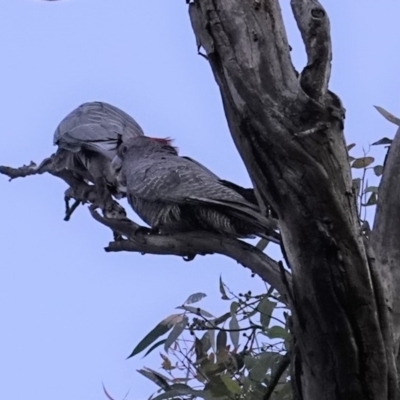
(288, 130)
(386, 239)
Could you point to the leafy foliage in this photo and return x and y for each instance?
(234, 356)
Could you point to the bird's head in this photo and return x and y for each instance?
(142, 144)
(166, 143)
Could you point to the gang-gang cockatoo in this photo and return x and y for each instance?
(177, 194)
(89, 138)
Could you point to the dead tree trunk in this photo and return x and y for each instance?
(288, 129)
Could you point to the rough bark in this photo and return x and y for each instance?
(386, 239)
(288, 129)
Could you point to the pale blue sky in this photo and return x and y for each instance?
(70, 313)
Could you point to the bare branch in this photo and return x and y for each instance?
(195, 243)
(28, 170)
(314, 26)
(78, 190)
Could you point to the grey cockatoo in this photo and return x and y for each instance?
(89, 138)
(177, 194)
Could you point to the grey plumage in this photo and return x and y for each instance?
(175, 194)
(89, 138)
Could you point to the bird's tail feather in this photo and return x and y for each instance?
(265, 226)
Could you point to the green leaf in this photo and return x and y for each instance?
(205, 343)
(194, 298)
(234, 307)
(233, 386)
(217, 388)
(176, 332)
(384, 140)
(221, 340)
(259, 365)
(159, 379)
(182, 392)
(350, 146)
(277, 332)
(161, 329)
(372, 200)
(222, 289)
(373, 189)
(285, 392)
(265, 308)
(378, 169)
(390, 117)
(362, 162)
(211, 338)
(155, 346)
(196, 310)
(234, 333)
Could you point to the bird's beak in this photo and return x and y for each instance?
(116, 164)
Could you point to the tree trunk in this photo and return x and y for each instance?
(288, 129)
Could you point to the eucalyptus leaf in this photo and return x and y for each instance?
(389, 116)
(161, 342)
(378, 169)
(205, 342)
(234, 333)
(170, 394)
(234, 307)
(161, 329)
(232, 385)
(373, 200)
(221, 340)
(265, 308)
(211, 338)
(259, 365)
(194, 298)
(277, 332)
(373, 189)
(382, 141)
(362, 162)
(159, 379)
(222, 289)
(350, 146)
(176, 332)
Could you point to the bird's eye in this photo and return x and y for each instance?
(123, 149)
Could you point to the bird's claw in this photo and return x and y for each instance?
(70, 210)
(113, 210)
(117, 237)
(188, 258)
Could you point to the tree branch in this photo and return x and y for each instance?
(385, 237)
(188, 244)
(194, 243)
(290, 136)
(313, 23)
(78, 189)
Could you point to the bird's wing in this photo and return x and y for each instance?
(96, 126)
(175, 179)
(201, 166)
(240, 208)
